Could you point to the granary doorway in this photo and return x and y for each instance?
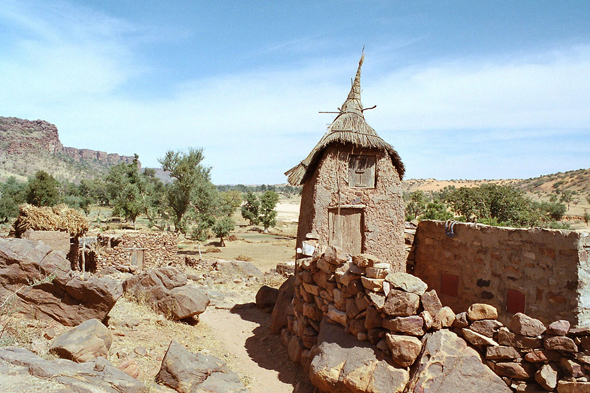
(346, 226)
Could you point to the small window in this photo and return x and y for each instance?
(361, 171)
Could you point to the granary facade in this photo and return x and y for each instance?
(352, 194)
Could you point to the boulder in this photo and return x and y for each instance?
(155, 284)
(85, 342)
(237, 269)
(266, 297)
(183, 302)
(166, 289)
(463, 369)
(65, 298)
(97, 375)
(278, 317)
(341, 363)
(187, 372)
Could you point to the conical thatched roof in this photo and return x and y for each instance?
(349, 127)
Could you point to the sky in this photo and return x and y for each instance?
(464, 89)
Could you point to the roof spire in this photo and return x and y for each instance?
(353, 101)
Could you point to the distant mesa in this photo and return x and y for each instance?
(29, 145)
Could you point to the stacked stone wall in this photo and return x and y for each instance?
(541, 272)
(159, 249)
(396, 312)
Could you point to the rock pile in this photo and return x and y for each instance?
(398, 315)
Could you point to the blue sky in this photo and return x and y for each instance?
(464, 89)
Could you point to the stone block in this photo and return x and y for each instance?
(404, 349)
(547, 376)
(412, 325)
(487, 327)
(480, 311)
(431, 302)
(400, 303)
(560, 343)
(524, 325)
(477, 339)
(406, 282)
(501, 352)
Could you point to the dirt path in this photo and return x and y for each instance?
(256, 354)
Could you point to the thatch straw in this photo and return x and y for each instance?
(349, 127)
(57, 218)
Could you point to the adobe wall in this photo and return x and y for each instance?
(57, 240)
(541, 272)
(383, 205)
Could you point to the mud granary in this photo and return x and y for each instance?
(352, 195)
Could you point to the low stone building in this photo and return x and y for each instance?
(544, 273)
(352, 195)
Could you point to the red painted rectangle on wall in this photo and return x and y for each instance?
(515, 301)
(449, 284)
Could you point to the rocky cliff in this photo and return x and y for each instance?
(29, 145)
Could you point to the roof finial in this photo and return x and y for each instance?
(353, 101)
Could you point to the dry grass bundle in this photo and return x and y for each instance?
(57, 218)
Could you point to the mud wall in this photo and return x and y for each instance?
(382, 206)
(543, 273)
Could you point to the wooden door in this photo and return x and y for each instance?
(346, 226)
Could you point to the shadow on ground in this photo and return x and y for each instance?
(265, 348)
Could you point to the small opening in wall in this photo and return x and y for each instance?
(449, 284)
(515, 301)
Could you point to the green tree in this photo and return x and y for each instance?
(43, 190)
(416, 204)
(567, 196)
(586, 217)
(494, 204)
(222, 228)
(436, 211)
(126, 187)
(554, 210)
(230, 201)
(268, 214)
(251, 208)
(12, 194)
(192, 198)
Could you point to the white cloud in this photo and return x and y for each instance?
(72, 68)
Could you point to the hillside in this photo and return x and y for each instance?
(27, 146)
(576, 180)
